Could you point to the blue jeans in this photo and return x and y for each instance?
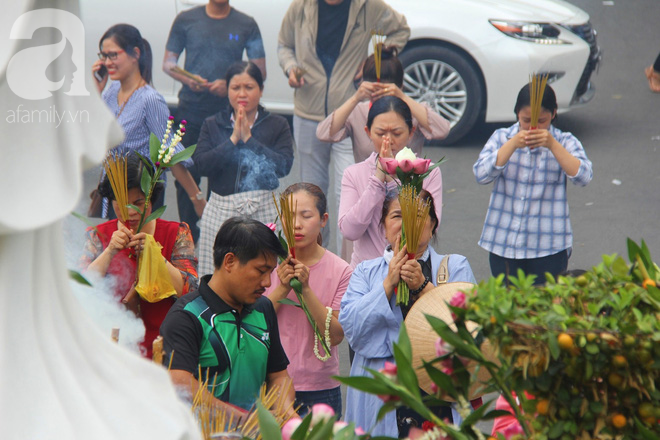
(307, 399)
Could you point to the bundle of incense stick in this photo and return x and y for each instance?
(179, 70)
(115, 168)
(157, 350)
(414, 214)
(214, 419)
(537, 83)
(286, 211)
(377, 39)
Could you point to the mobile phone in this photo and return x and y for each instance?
(101, 73)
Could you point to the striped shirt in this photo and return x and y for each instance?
(528, 211)
(144, 113)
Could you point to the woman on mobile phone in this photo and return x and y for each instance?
(125, 58)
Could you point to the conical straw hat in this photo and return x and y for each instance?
(423, 337)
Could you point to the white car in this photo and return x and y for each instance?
(465, 58)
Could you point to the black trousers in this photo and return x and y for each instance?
(194, 120)
(555, 264)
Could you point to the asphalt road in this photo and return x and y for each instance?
(619, 129)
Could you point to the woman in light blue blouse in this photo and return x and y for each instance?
(125, 57)
(527, 224)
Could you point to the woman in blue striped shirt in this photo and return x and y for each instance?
(125, 57)
(527, 224)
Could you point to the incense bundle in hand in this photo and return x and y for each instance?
(115, 168)
(286, 211)
(180, 71)
(537, 83)
(377, 39)
(414, 214)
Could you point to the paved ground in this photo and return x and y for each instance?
(620, 132)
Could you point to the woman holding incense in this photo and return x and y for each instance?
(351, 117)
(244, 150)
(324, 277)
(527, 224)
(125, 58)
(364, 185)
(110, 250)
(371, 319)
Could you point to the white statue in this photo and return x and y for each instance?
(60, 378)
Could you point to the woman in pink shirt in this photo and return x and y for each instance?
(324, 277)
(365, 184)
(350, 118)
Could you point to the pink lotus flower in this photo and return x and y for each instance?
(512, 430)
(359, 431)
(458, 300)
(417, 166)
(290, 427)
(338, 426)
(447, 367)
(442, 348)
(272, 226)
(434, 388)
(389, 370)
(321, 413)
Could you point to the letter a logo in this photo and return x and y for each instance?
(26, 71)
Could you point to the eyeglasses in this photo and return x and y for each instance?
(112, 55)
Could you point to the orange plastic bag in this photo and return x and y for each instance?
(154, 282)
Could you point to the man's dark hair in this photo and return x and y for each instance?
(246, 239)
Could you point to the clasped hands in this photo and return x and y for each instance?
(242, 130)
(124, 238)
(402, 268)
(291, 268)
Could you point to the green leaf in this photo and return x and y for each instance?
(296, 285)
(154, 146)
(154, 215)
(182, 155)
(85, 220)
(443, 381)
(556, 430)
(79, 278)
(387, 407)
(268, 426)
(289, 302)
(405, 371)
(366, 384)
(130, 206)
(646, 433)
(146, 163)
(301, 431)
(553, 346)
(404, 342)
(321, 431)
(145, 183)
(475, 416)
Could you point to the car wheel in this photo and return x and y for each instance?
(444, 79)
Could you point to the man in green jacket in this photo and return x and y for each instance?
(227, 328)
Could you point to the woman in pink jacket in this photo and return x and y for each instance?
(365, 184)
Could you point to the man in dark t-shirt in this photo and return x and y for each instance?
(227, 327)
(214, 36)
